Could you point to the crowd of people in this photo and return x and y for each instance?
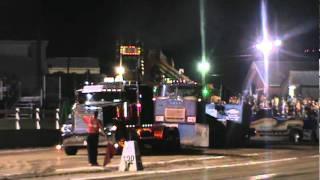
(300, 107)
(288, 107)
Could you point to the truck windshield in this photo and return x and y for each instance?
(177, 90)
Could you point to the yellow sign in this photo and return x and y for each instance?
(130, 50)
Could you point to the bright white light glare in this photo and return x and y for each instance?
(203, 66)
(125, 109)
(89, 96)
(277, 42)
(120, 70)
(292, 88)
(113, 128)
(108, 79)
(116, 146)
(265, 46)
(58, 147)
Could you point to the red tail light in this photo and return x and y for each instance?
(158, 134)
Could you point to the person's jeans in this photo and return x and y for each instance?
(92, 147)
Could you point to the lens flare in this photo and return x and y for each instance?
(58, 147)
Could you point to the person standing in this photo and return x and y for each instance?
(93, 126)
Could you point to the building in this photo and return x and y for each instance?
(304, 83)
(23, 60)
(76, 65)
(64, 75)
(300, 75)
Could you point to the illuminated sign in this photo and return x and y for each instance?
(233, 112)
(130, 50)
(92, 88)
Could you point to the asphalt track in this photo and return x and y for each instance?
(276, 161)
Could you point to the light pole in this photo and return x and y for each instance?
(119, 73)
(203, 68)
(266, 47)
(120, 70)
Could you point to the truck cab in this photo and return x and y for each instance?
(184, 117)
(176, 103)
(118, 109)
(175, 116)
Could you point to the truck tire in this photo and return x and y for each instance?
(172, 140)
(295, 136)
(314, 137)
(70, 151)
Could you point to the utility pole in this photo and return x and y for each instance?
(39, 55)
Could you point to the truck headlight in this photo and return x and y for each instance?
(113, 128)
(66, 128)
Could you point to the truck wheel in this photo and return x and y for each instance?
(177, 144)
(172, 140)
(295, 136)
(314, 137)
(247, 140)
(70, 151)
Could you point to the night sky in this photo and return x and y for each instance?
(92, 27)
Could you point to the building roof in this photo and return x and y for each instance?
(278, 71)
(78, 65)
(19, 48)
(79, 62)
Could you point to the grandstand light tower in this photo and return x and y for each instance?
(203, 68)
(266, 46)
(132, 66)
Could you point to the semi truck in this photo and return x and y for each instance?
(164, 117)
(184, 117)
(120, 111)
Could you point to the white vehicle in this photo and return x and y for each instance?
(270, 128)
(118, 109)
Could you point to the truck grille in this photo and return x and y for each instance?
(175, 114)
